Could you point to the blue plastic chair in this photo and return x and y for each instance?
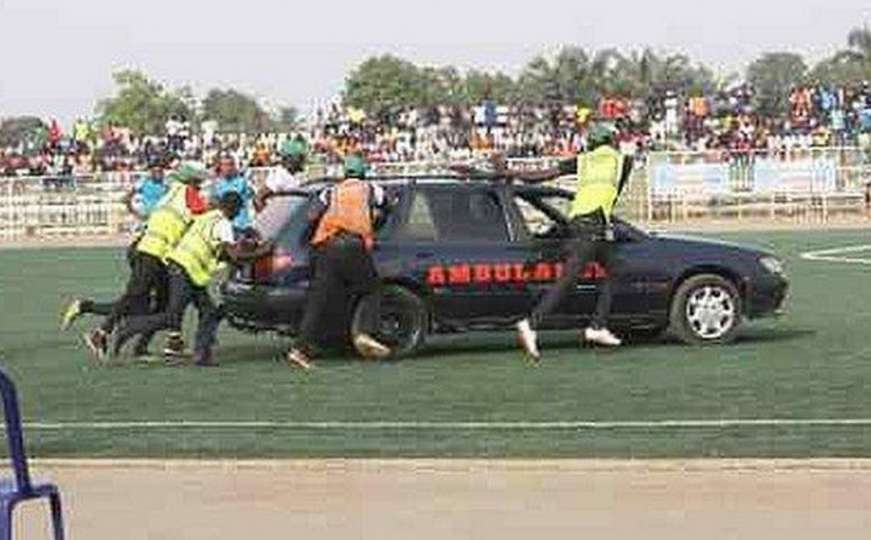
(19, 489)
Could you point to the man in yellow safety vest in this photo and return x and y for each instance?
(191, 266)
(601, 175)
(166, 225)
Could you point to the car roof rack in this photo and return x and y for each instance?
(483, 178)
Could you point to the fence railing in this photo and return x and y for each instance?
(801, 185)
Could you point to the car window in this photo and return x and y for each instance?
(420, 225)
(561, 204)
(535, 220)
(467, 215)
(284, 218)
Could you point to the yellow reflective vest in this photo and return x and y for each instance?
(599, 174)
(167, 223)
(199, 249)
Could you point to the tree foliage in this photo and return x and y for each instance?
(20, 129)
(235, 111)
(386, 84)
(142, 104)
(849, 65)
(773, 76)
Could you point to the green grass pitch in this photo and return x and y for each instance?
(813, 364)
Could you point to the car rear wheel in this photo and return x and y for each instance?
(705, 309)
(403, 322)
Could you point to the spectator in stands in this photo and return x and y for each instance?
(230, 179)
(148, 192)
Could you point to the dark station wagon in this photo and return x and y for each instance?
(460, 256)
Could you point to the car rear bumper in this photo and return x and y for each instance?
(255, 307)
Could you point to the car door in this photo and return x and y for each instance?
(461, 246)
(543, 214)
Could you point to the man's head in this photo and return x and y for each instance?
(601, 134)
(356, 167)
(191, 173)
(155, 169)
(293, 155)
(230, 204)
(227, 166)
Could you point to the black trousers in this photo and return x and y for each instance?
(147, 276)
(342, 271)
(182, 293)
(586, 243)
(105, 308)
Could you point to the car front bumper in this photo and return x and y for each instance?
(766, 296)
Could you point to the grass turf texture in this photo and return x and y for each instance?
(813, 364)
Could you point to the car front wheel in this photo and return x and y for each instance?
(705, 309)
(402, 324)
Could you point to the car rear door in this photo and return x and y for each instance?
(462, 247)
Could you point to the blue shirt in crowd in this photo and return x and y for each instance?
(240, 185)
(150, 190)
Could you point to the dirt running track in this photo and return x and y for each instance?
(443, 500)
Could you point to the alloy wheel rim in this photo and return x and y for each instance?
(710, 311)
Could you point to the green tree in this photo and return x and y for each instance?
(537, 83)
(850, 65)
(20, 129)
(480, 85)
(383, 85)
(235, 111)
(288, 119)
(773, 76)
(859, 43)
(141, 104)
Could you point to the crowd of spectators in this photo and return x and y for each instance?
(725, 121)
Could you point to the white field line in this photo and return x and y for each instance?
(448, 426)
(833, 255)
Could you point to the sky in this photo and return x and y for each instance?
(57, 56)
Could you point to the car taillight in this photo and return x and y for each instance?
(268, 266)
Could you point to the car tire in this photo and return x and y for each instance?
(404, 321)
(705, 310)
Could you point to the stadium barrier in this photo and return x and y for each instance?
(804, 185)
(800, 185)
(62, 206)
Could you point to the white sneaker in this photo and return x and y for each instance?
(369, 347)
(602, 336)
(527, 337)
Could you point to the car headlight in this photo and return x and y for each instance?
(773, 265)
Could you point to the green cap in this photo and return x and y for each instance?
(356, 166)
(601, 134)
(293, 148)
(189, 172)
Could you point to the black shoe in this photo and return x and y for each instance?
(205, 360)
(140, 350)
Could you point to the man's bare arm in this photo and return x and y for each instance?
(128, 202)
(235, 253)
